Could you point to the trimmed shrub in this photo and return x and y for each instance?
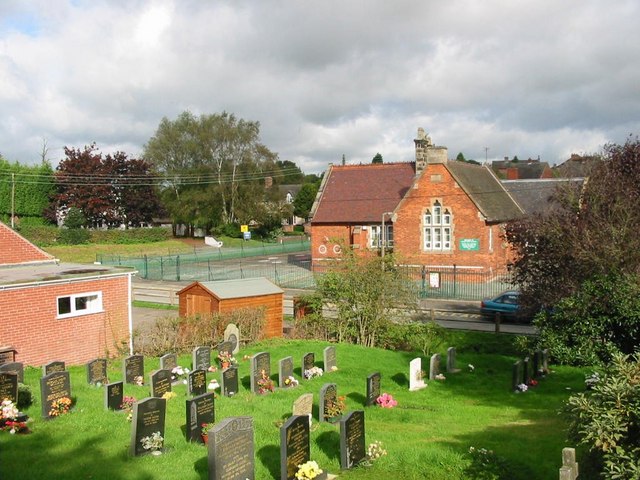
(42, 236)
(74, 236)
(25, 397)
(131, 235)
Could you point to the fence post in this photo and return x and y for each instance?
(209, 269)
(178, 268)
(423, 273)
(146, 267)
(498, 319)
(455, 280)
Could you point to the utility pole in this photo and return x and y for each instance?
(13, 200)
(486, 151)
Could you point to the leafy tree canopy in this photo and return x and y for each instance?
(304, 199)
(377, 158)
(31, 185)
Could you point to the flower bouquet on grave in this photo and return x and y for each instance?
(290, 381)
(265, 384)
(11, 419)
(521, 388)
(61, 406)
(138, 380)
(308, 471)
(179, 373)
(226, 359)
(386, 401)
(153, 443)
(127, 406)
(335, 408)
(313, 372)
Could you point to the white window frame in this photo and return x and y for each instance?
(437, 228)
(93, 305)
(375, 239)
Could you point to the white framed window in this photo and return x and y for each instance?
(436, 227)
(80, 304)
(375, 237)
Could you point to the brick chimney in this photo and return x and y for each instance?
(427, 152)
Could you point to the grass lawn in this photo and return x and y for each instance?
(427, 435)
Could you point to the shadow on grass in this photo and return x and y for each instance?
(270, 458)
(358, 397)
(329, 443)
(201, 467)
(401, 380)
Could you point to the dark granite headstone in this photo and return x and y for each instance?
(14, 367)
(231, 450)
(52, 367)
(168, 361)
(295, 446)
(197, 382)
(232, 335)
(148, 418)
(526, 370)
(308, 361)
(516, 375)
(133, 367)
(53, 387)
(97, 371)
(329, 357)
(260, 367)
(7, 355)
(225, 346)
(160, 381)
(285, 370)
(9, 386)
(328, 397)
(537, 364)
(229, 379)
(352, 441)
(113, 395)
(201, 358)
(451, 360)
(200, 410)
(373, 388)
(434, 366)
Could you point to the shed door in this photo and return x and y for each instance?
(198, 304)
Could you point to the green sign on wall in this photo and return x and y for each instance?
(469, 244)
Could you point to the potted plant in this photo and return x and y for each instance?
(226, 359)
(205, 432)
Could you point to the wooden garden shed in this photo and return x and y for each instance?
(228, 295)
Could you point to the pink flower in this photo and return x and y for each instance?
(386, 401)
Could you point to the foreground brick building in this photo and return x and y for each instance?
(51, 311)
(432, 212)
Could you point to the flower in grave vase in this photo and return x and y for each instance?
(265, 384)
(226, 359)
(308, 470)
(153, 442)
(60, 406)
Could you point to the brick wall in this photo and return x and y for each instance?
(14, 248)
(29, 323)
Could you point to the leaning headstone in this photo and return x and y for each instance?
(113, 395)
(303, 405)
(160, 381)
(232, 335)
(285, 372)
(168, 361)
(197, 382)
(329, 357)
(308, 362)
(14, 367)
(200, 410)
(352, 441)
(9, 387)
(569, 469)
(133, 367)
(201, 358)
(260, 368)
(545, 361)
(148, 418)
(295, 446)
(328, 397)
(434, 366)
(373, 388)
(97, 371)
(53, 367)
(229, 379)
(416, 380)
(53, 387)
(516, 375)
(231, 449)
(451, 360)
(526, 370)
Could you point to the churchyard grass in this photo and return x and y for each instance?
(427, 435)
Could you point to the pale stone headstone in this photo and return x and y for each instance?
(231, 449)
(516, 375)
(303, 405)
(416, 380)
(434, 366)
(232, 335)
(526, 370)
(569, 469)
(329, 357)
(168, 361)
(451, 360)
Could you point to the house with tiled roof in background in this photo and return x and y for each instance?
(521, 169)
(52, 311)
(431, 212)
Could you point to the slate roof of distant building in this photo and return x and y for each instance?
(538, 196)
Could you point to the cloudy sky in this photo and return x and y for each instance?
(487, 78)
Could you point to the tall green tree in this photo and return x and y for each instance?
(377, 158)
(304, 200)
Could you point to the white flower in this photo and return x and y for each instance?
(471, 367)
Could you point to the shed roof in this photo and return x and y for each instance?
(246, 287)
(38, 274)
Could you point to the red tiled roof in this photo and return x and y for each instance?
(362, 193)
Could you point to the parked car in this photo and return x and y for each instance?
(507, 304)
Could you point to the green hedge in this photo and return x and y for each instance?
(41, 235)
(44, 236)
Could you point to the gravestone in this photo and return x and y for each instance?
(451, 360)
(231, 449)
(168, 361)
(416, 380)
(53, 367)
(225, 346)
(308, 361)
(373, 388)
(229, 380)
(201, 358)
(113, 395)
(148, 418)
(232, 335)
(200, 410)
(14, 367)
(434, 366)
(328, 397)
(537, 364)
(329, 357)
(570, 468)
(9, 387)
(303, 405)
(97, 371)
(295, 446)
(197, 382)
(526, 370)
(133, 367)
(260, 366)
(7, 355)
(285, 370)
(160, 381)
(53, 386)
(352, 441)
(516, 375)
(545, 361)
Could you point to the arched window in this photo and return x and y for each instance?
(436, 225)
